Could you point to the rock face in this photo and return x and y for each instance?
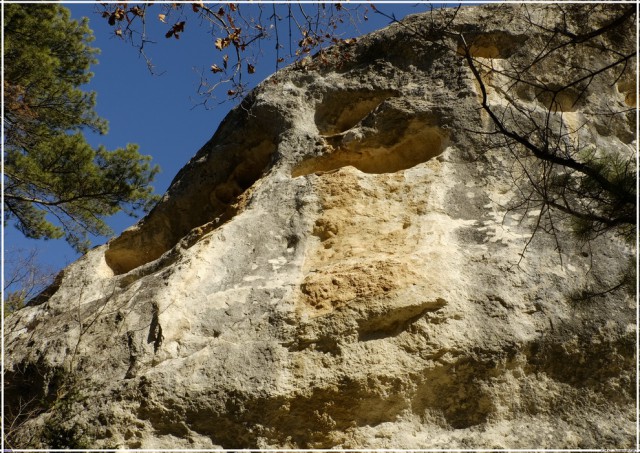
(338, 267)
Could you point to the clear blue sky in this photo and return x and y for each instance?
(159, 112)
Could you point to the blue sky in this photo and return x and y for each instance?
(159, 112)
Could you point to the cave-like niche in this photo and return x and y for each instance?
(417, 143)
(341, 110)
(495, 44)
(210, 195)
(567, 100)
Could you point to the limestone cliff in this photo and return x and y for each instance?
(339, 267)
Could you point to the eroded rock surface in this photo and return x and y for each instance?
(337, 268)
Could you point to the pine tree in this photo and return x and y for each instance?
(56, 184)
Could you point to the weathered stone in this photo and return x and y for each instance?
(337, 268)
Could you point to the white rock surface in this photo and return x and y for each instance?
(337, 268)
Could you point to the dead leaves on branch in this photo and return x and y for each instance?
(175, 30)
(121, 12)
(117, 15)
(222, 43)
(238, 31)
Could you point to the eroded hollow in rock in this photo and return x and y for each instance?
(568, 100)
(417, 144)
(456, 391)
(498, 44)
(341, 110)
(628, 89)
(214, 193)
